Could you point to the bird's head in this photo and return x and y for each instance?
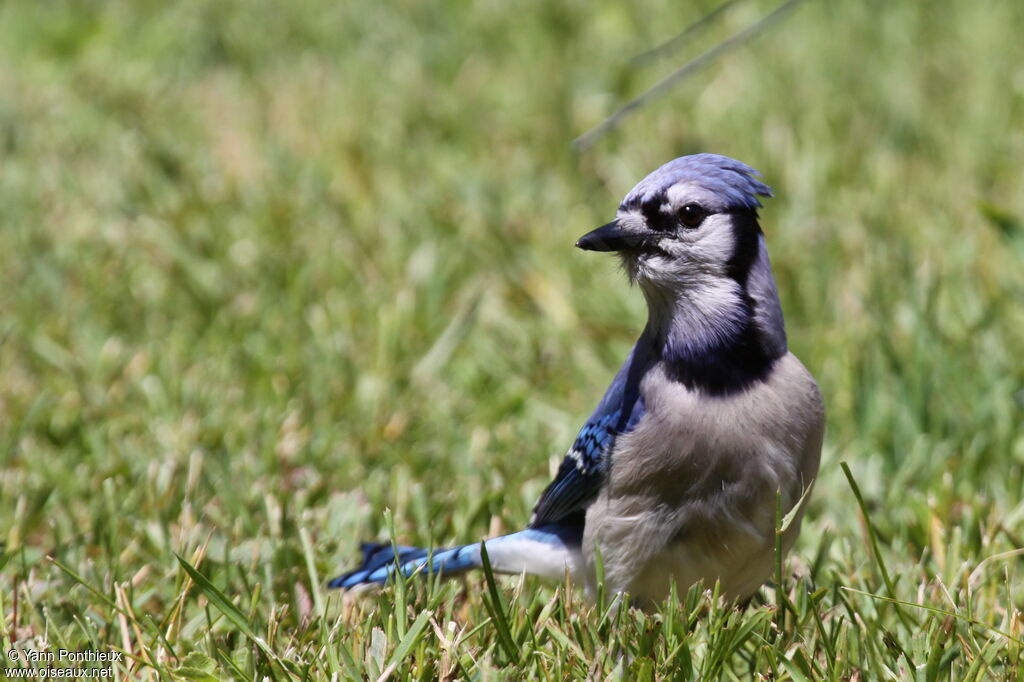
(688, 236)
(690, 221)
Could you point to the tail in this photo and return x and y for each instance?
(547, 551)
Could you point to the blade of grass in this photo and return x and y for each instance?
(935, 609)
(412, 636)
(81, 581)
(492, 601)
(229, 610)
(873, 538)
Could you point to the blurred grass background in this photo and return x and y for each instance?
(269, 269)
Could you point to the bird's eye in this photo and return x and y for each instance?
(692, 215)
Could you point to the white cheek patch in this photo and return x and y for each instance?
(714, 240)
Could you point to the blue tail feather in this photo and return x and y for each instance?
(380, 561)
(545, 551)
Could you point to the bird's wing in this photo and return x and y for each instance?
(582, 471)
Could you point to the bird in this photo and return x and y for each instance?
(709, 424)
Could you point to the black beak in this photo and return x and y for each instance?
(610, 237)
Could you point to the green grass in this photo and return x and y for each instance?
(268, 270)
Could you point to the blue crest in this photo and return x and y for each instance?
(734, 182)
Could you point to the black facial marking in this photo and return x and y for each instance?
(652, 213)
(746, 236)
(656, 220)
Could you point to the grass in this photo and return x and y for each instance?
(278, 277)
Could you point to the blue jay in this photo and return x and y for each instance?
(676, 474)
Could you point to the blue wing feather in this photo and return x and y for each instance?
(582, 472)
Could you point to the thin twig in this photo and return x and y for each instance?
(680, 38)
(587, 139)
